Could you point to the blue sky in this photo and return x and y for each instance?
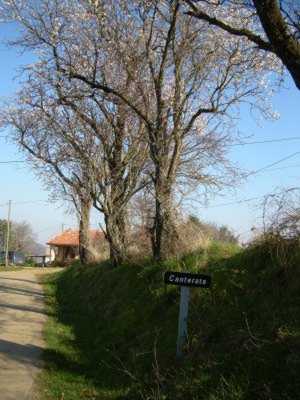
(19, 184)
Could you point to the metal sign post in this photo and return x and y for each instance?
(185, 281)
(182, 320)
(7, 235)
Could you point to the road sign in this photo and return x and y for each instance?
(187, 279)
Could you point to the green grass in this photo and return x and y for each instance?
(112, 332)
(10, 268)
(18, 267)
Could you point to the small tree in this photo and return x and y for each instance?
(281, 213)
(55, 162)
(22, 237)
(212, 231)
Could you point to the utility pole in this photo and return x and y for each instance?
(7, 235)
(62, 228)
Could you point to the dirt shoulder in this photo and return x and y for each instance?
(22, 317)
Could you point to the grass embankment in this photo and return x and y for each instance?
(113, 332)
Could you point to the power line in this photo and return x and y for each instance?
(266, 167)
(288, 139)
(30, 202)
(292, 138)
(284, 167)
(274, 163)
(251, 174)
(25, 202)
(12, 161)
(236, 202)
(252, 198)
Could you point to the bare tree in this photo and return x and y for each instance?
(184, 81)
(280, 21)
(22, 238)
(182, 86)
(101, 143)
(40, 136)
(118, 167)
(281, 213)
(124, 154)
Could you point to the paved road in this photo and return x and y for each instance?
(22, 315)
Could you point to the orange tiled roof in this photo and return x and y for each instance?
(70, 237)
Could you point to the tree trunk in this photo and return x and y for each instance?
(85, 254)
(116, 236)
(284, 44)
(164, 233)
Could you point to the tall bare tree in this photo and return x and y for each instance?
(184, 78)
(119, 170)
(101, 140)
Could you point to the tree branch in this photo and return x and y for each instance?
(197, 13)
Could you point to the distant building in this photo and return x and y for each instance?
(64, 247)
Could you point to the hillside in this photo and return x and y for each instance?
(112, 332)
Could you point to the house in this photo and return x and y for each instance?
(64, 247)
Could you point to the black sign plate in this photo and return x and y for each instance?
(187, 279)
